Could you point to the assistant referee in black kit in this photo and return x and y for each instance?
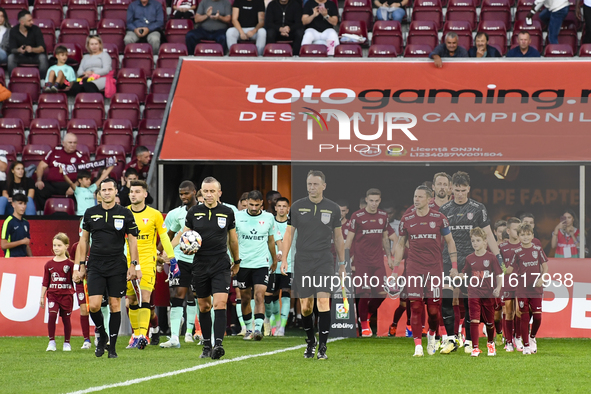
(317, 220)
(213, 269)
(108, 223)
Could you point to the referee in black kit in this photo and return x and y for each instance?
(108, 223)
(317, 221)
(213, 269)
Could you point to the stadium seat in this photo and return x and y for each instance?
(12, 8)
(139, 56)
(87, 132)
(9, 152)
(278, 50)
(357, 4)
(45, 131)
(461, 10)
(155, 106)
(74, 53)
(55, 106)
(243, 50)
(83, 9)
(348, 50)
(74, 31)
(585, 50)
(379, 50)
(358, 28)
(149, 126)
(428, 40)
(169, 53)
(358, 10)
(48, 29)
(413, 50)
(388, 33)
(162, 80)
(496, 10)
(558, 50)
(567, 36)
(146, 139)
(428, 10)
(12, 132)
(422, 32)
(535, 29)
(115, 9)
(177, 29)
(89, 106)
(49, 9)
(125, 106)
(20, 106)
(33, 154)
(26, 80)
(132, 80)
(59, 206)
(118, 132)
(112, 31)
(105, 151)
(313, 50)
(209, 49)
(113, 51)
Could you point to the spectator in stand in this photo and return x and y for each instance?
(95, 68)
(184, 9)
(449, 49)
(3, 165)
(60, 76)
(84, 189)
(393, 10)
(248, 19)
(481, 47)
(141, 163)
(565, 237)
(283, 21)
(583, 12)
(54, 184)
(523, 49)
(15, 230)
(4, 35)
(26, 45)
(553, 14)
(319, 18)
(145, 21)
(17, 183)
(213, 17)
(123, 192)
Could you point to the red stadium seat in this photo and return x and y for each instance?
(74, 52)
(313, 50)
(139, 56)
(243, 50)
(459, 27)
(354, 27)
(462, 10)
(48, 29)
(59, 206)
(169, 53)
(44, 126)
(348, 50)
(113, 51)
(177, 29)
(356, 4)
(155, 106)
(75, 31)
(413, 50)
(125, 106)
(12, 8)
(9, 152)
(162, 80)
(49, 9)
(278, 50)
(430, 41)
(496, 10)
(422, 32)
(53, 105)
(567, 36)
(147, 139)
(33, 154)
(89, 106)
(132, 80)
(585, 50)
(208, 49)
(51, 139)
(377, 50)
(12, 132)
(26, 80)
(118, 132)
(20, 106)
(388, 33)
(87, 132)
(428, 10)
(105, 151)
(358, 10)
(112, 31)
(149, 126)
(115, 9)
(535, 29)
(558, 50)
(83, 9)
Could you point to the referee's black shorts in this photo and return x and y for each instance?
(212, 275)
(313, 273)
(107, 277)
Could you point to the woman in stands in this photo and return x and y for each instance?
(17, 183)
(4, 33)
(94, 70)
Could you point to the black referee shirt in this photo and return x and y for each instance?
(315, 223)
(213, 225)
(108, 228)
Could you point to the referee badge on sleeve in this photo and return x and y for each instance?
(325, 218)
(221, 222)
(118, 223)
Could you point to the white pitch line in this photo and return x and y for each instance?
(195, 368)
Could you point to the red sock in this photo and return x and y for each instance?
(457, 320)
(504, 322)
(51, 326)
(365, 324)
(535, 326)
(509, 331)
(415, 320)
(363, 309)
(67, 327)
(474, 334)
(84, 323)
(524, 320)
(518, 326)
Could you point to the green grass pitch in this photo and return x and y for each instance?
(376, 365)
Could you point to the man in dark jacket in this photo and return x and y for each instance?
(283, 22)
(481, 47)
(26, 45)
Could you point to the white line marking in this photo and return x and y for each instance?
(195, 368)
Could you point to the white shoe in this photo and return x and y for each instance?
(242, 331)
(492, 350)
(431, 345)
(171, 343)
(509, 347)
(533, 346)
(51, 347)
(468, 347)
(267, 327)
(450, 346)
(189, 337)
(418, 351)
(86, 345)
(248, 336)
(475, 352)
(518, 344)
(67, 347)
(280, 332)
(526, 350)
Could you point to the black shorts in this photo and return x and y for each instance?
(248, 277)
(186, 277)
(278, 282)
(313, 273)
(99, 283)
(212, 275)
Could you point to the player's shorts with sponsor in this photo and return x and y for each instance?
(212, 275)
(148, 280)
(278, 282)
(527, 301)
(188, 270)
(248, 277)
(313, 272)
(421, 285)
(80, 294)
(484, 307)
(60, 303)
(107, 276)
(369, 279)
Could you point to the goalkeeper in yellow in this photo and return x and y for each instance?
(150, 224)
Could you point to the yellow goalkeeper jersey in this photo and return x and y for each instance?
(150, 223)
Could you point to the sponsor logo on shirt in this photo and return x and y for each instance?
(461, 227)
(118, 223)
(423, 236)
(374, 231)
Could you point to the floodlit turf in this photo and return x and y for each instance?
(354, 365)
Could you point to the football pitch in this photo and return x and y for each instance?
(277, 365)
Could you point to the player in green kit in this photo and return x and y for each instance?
(256, 242)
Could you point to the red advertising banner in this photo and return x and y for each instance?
(404, 111)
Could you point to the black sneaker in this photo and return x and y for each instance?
(206, 352)
(142, 342)
(112, 353)
(217, 352)
(155, 340)
(310, 349)
(100, 346)
(322, 352)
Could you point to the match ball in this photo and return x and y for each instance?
(190, 242)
